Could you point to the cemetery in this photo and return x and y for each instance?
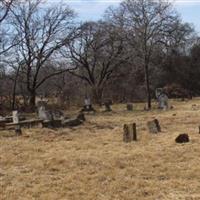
(99, 100)
(121, 140)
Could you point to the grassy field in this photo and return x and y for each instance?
(91, 162)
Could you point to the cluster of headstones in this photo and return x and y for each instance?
(130, 132)
(56, 118)
(89, 108)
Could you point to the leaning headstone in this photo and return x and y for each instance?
(154, 126)
(15, 116)
(182, 138)
(163, 101)
(130, 133)
(129, 107)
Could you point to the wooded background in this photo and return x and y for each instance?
(135, 48)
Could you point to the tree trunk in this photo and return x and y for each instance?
(32, 100)
(148, 93)
(97, 95)
(14, 89)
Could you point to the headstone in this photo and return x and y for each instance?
(15, 117)
(154, 126)
(182, 138)
(87, 106)
(158, 92)
(43, 114)
(129, 107)
(130, 133)
(163, 101)
(87, 103)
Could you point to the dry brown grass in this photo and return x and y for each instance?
(92, 163)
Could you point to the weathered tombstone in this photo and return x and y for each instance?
(129, 107)
(15, 116)
(163, 101)
(43, 114)
(87, 106)
(154, 126)
(130, 133)
(158, 92)
(182, 138)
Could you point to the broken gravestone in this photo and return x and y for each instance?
(74, 122)
(182, 138)
(130, 133)
(129, 107)
(154, 126)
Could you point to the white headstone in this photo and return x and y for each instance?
(87, 102)
(43, 114)
(15, 116)
(163, 101)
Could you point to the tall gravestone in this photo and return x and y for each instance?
(162, 99)
(15, 116)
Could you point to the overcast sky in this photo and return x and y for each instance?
(94, 9)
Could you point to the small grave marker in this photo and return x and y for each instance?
(130, 133)
(154, 126)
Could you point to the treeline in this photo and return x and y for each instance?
(134, 49)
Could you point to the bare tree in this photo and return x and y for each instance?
(149, 24)
(6, 37)
(5, 6)
(97, 53)
(42, 31)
